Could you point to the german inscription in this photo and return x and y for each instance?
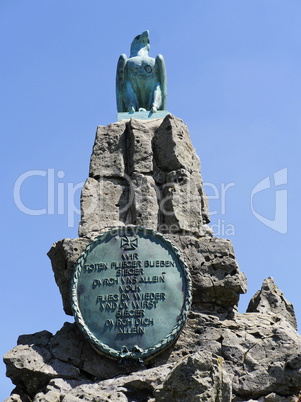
(131, 293)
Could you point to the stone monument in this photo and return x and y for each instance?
(153, 292)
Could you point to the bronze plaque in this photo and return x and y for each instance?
(131, 293)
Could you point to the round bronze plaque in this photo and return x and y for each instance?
(131, 293)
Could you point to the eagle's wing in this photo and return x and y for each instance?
(160, 64)
(120, 83)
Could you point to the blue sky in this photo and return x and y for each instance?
(233, 70)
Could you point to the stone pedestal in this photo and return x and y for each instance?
(147, 173)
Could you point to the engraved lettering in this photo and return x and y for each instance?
(152, 279)
(145, 321)
(132, 330)
(129, 288)
(145, 304)
(149, 296)
(105, 282)
(130, 271)
(110, 282)
(108, 306)
(88, 268)
(125, 264)
(158, 264)
(123, 322)
(126, 257)
(129, 285)
(95, 283)
(104, 298)
(123, 305)
(129, 281)
(130, 313)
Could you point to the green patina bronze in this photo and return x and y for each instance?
(141, 83)
(131, 293)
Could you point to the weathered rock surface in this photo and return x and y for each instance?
(173, 148)
(103, 203)
(194, 378)
(197, 377)
(270, 298)
(34, 366)
(216, 277)
(145, 208)
(136, 160)
(107, 159)
(253, 355)
(182, 203)
(64, 255)
(147, 173)
(140, 149)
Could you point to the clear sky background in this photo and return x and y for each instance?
(234, 77)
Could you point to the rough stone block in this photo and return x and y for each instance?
(216, 277)
(144, 205)
(270, 298)
(173, 149)
(198, 181)
(103, 203)
(135, 387)
(63, 255)
(181, 204)
(39, 338)
(140, 153)
(158, 148)
(260, 352)
(107, 159)
(67, 344)
(197, 377)
(32, 365)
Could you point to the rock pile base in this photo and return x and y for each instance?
(147, 173)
